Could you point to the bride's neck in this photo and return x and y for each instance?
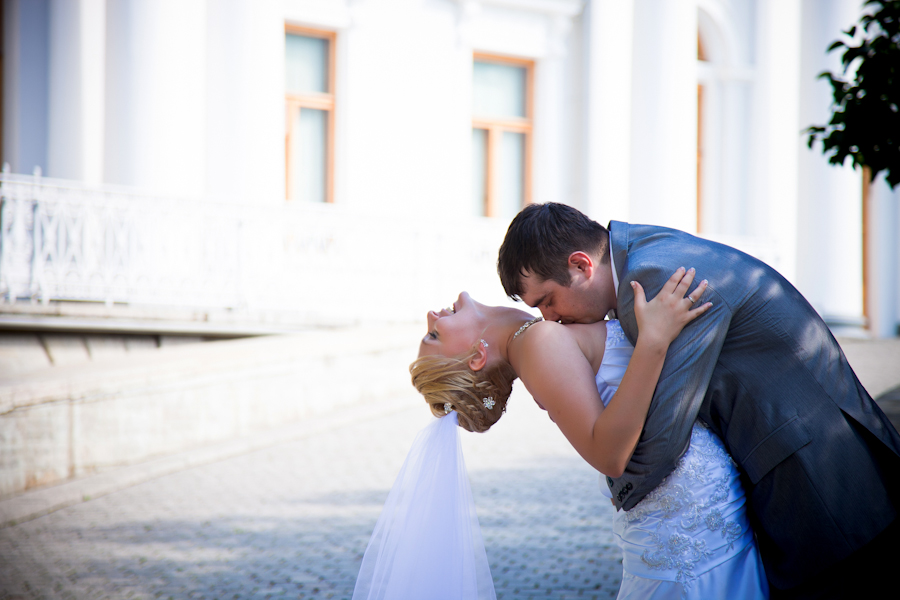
(504, 323)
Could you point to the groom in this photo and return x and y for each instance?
(820, 462)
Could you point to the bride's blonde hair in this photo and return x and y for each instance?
(443, 379)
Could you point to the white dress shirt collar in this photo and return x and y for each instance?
(612, 264)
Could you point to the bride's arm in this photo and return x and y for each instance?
(559, 376)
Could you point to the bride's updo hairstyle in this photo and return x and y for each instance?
(443, 379)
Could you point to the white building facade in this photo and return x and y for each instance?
(326, 161)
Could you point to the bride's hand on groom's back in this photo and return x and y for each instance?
(661, 319)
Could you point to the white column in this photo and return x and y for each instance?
(609, 36)
(664, 114)
(883, 281)
(245, 101)
(778, 138)
(156, 95)
(829, 221)
(550, 124)
(75, 90)
(25, 73)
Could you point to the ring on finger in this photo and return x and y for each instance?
(691, 298)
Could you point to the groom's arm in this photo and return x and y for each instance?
(682, 385)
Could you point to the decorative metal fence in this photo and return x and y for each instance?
(63, 240)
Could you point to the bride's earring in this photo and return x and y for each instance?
(484, 343)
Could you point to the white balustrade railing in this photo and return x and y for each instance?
(63, 240)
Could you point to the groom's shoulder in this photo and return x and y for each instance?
(639, 235)
(656, 247)
(641, 228)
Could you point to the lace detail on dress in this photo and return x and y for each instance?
(614, 334)
(679, 513)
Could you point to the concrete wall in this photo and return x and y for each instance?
(22, 353)
(71, 421)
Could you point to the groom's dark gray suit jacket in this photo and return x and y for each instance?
(818, 458)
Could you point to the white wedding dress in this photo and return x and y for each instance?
(689, 538)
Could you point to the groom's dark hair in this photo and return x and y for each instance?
(539, 241)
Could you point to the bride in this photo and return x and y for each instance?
(688, 538)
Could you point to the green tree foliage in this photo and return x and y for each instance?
(865, 121)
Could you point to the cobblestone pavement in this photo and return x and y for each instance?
(293, 520)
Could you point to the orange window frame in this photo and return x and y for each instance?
(318, 101)
(496, 127)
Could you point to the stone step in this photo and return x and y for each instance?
(66, 422)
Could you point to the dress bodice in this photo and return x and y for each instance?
(695, 519)
(615, 361)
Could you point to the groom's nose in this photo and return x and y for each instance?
(549, 314)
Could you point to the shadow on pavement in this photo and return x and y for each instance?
(546, 530)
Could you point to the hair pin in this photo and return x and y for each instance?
(488, 402)
(447, 407)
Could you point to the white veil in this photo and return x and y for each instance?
(427, 542)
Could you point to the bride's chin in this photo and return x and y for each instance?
(463, 299)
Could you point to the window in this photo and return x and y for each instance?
(309, 99)
(501, 135)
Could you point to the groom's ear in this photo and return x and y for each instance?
(477, 362)
(582, 262)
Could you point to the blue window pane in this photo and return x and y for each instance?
(498, 90)
(308, 152)
(306, 64)
(511, 175)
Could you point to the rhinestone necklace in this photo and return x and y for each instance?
(526, 326)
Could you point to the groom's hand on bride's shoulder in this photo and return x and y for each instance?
(663, 317)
